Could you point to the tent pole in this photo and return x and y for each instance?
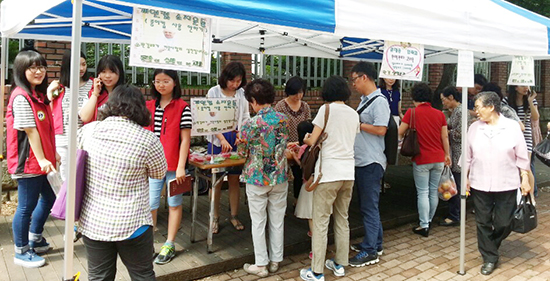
(3, 62)
(463, 179)
(73, 122)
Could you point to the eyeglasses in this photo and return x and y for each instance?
(34, 69)
(160, 82)
(352, 79)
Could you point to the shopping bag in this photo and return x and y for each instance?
(447, 185)
(542, 151)
(525, 216)
(58, 209)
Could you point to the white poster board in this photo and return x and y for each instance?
(522, 72)
(162, 39)
(402, 60)
(213, 115)
(465, 69)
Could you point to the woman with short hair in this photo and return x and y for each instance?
(494, 141)
(297, 111)
(116, 217)
(433, 140)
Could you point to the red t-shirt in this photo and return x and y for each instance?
(428, 122)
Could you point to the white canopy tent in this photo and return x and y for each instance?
(287, 27)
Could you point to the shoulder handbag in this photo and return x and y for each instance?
(525, 216)
(313, 154)
(410, 145)
(60, 204)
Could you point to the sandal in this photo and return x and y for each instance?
(216, 225)
(237, 223)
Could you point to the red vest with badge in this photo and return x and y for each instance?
(101, 100)
(21, 158)
(170, 135)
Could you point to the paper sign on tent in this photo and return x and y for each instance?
(465, 69)
(522, 72)
(402, 60)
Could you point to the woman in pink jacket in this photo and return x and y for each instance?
(494, 141)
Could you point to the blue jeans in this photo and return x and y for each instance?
(31, 210)
(155, 189)
(368, 179)
(426, 179)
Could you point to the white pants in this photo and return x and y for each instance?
(267, 202)
(63, 150)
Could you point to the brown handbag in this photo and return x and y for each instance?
(312, 155)
(410, 145)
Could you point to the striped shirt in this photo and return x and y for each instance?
(186, 121)
(526, 120)
(62, 139)
(121, 157)
(22, 118)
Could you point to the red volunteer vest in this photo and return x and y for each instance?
(57, 110)
(21, 158)
(101, 100)
(170, 136)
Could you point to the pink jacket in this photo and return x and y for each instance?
(494, 155)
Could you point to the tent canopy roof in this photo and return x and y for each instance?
(308, 27)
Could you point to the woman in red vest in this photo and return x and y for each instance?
(110, 74)
(172, 122)
(31, 155)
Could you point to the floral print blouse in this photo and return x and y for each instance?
(264, 142)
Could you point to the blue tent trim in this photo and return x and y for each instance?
(320, 14)
(357, 52)
(527, 14)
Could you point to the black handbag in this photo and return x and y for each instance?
(542, 151)
(410, 146)
(525, 216)
(312, 155)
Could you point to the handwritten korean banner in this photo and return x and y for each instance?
(465, 69)
(522, 72)
(162, 39)
(213, 116)
(402, 60)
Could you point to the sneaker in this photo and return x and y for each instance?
(362, 259)
(29, 259)
(338, 270)
(167, 253)
(40, 247)
(273, 267)
(357, 248)
(253, 269)
(308, 275)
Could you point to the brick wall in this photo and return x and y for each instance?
(246, 59)
(499, 74)
(544, 100)
(53, 52)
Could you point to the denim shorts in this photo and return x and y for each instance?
(155, 189)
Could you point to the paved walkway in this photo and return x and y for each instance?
(410, 257)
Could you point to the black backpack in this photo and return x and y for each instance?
(391, 137)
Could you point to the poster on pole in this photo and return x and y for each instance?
(522, 72)
(170, 40)
(402, 60)
(465, 69)
(213, 115)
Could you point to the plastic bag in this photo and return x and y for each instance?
(542, 151)
(447, 186)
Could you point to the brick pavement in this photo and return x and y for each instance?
(410, 257)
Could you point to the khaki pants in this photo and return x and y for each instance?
(329, 197)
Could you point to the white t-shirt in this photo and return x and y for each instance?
(337, 152)
(243, 109)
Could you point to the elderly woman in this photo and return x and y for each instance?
(451, 99)
(433, 139)
(338, 174)
(296, 111)
(494, 141)
(116, 216)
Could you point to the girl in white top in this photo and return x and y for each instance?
(61, 103)
(231, 83)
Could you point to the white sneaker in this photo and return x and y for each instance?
(338, 270)
(307, 275)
